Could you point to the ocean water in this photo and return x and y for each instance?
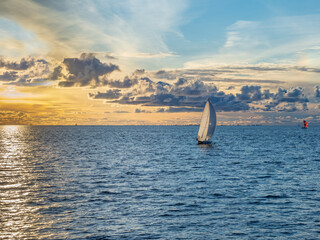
(155, 182)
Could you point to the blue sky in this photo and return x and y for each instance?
(140, 57)
(179, 31)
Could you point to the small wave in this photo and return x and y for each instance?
(238, 234)
(275, 196)
(264, 176)
(106, 192)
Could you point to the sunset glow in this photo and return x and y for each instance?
(156, 62)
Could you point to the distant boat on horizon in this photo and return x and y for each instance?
(208, 124)
(305, 124)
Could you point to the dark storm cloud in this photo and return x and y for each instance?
(22, 65)
(126, 83)
(187, 94)
(162, 87)
(180, 82)
(197, 88)
(85, 71)
(228, 102)
(9, 76)
(190, 97)
(109, 94)
(252, 94)
(293, 96)
(56, 74)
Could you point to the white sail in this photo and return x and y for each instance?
(208, 123)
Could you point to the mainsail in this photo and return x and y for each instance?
(208, 123)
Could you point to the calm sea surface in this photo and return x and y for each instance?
(155, 182)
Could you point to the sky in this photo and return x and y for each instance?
(141, 62)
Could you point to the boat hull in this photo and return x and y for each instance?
(204, 142)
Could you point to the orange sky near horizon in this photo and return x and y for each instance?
(109, 63)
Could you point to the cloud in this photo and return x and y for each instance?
(317, 91)
(308, 69)
(292, 96)
(27, 72)
(146, 55)
(120, 111)
(228, 103)
(141, 111)
(163, 74)
(8, 117)
(139, 72)
(288, 108)
(69, 27)
(56, 74)
(260, 68)
(272, 40)
(180, 82)
(250, 94)
(180, 109)
(9, 76)
(179, 97)
(305, 106)
(109, 94)
(22, 65)
(110, 56)
(28, 81)
(84, 71)
(224, 73)
(126, 83)
(244, 80)
(190, 95)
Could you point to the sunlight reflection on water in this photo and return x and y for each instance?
(19, 187)
(13, 174)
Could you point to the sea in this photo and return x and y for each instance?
(156, 182)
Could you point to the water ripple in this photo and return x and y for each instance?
(155, 182)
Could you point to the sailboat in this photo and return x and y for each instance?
(208, 124)
(305, 124)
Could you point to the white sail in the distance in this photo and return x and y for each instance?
(208, 123)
